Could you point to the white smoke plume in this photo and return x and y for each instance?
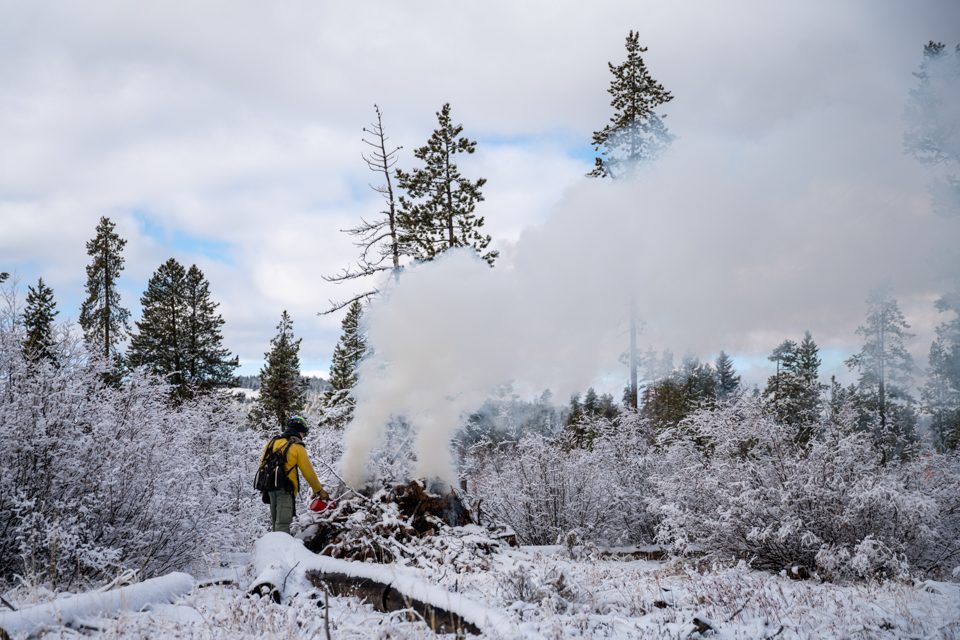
(722, 247)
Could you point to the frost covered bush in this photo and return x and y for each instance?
(734, 484)
(96, 479)
(544, 489)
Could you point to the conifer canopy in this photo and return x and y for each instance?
(283, 391)
(103, 320)
(38, 321)
(437, 212)
(337, 403)
(179, 336)
(635, 133)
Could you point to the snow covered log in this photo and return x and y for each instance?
(385, 598)
(276, 552)
(65, 611)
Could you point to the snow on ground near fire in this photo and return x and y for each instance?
(550, 592)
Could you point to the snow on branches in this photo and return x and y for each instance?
(734, 484)
(96, 478)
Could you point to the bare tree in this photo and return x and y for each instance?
(380, 247)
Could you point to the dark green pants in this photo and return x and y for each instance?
(282, 510)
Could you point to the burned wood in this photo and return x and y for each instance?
(385, 598)
(426, 508)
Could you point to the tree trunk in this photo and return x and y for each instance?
(633, 353)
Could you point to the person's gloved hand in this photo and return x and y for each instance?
(322, 494)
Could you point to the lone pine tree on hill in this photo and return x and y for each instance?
(38, 321)
(438, 212)
(337, 403)
(635, 133)
(283, 392)
(379, 240)
(179, 336)
(103, 320)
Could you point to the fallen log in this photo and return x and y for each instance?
(281, 564)
(386, 599)
(64, 611)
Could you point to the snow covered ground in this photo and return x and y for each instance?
(532, 592)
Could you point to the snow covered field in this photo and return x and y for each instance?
(532, 592)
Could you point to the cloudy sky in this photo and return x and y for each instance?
(228, 134)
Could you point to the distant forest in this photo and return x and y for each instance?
(316, 385)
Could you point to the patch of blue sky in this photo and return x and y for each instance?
(179, 241)
(574, 146)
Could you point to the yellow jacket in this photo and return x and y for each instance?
(296, 459)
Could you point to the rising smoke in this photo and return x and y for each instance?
(724, 244)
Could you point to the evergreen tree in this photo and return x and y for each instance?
(794, 393)
(38, 321)
(103, 320)
(575, 413)
(946, 366)
(582, 420)
(783, 355)
(636, 132)
(933, 122)
(727, 379)
(283, 392)
(591, 403)
(886, 372)
(438, 213)
(337, 403)
(669, 400)
(606, 407)
(208, 364)
(940, 397)
(179, 336)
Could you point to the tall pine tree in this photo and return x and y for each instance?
(886, 372)
(337, 403)
(438, 212)
(727, 379)
(944, 371)
(38, 321)
(179, 336)
(635, 133)
(794, 394)
(933, 122)
(209, 365)
(103, 320)
(283, 391)
(940, 396)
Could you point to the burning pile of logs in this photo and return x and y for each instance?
(404, 524)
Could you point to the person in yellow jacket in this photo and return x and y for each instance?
(283, 506)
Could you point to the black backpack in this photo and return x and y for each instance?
(272, 474)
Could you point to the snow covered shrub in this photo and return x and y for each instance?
(937, 477)
(735, 484)
(95, 479)
(543, 489)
